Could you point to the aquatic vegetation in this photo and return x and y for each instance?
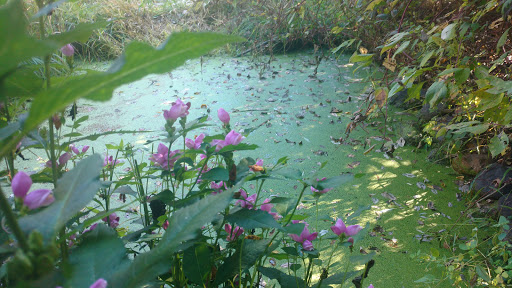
(199, 226)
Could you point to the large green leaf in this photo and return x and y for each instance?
(436, 92)
(100, 254)
(243, 259)
(252, 219)
(15, 44)
(74, 191)
(286, 281)
(137, 61)
(498, 144)
(197, 263)
(340, 278)
(216, 174)
(183, 226)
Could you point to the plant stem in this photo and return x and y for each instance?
(11, 221)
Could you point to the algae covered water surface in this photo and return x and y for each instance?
(407, 202)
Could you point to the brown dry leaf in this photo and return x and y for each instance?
(353, 164)
(381, 95)
(369, 149)
(390, 64)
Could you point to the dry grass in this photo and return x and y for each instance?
(128, 20)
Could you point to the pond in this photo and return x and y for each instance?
(287, 111)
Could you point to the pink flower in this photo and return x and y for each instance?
(233, 138)
(164, 158)
(223, 116)
(247, 201)
(266, 206)
(304, 236)
(217, 187)
(307, 245)
(318, 192)
(92, 227)
(233, 233)
(73, 148)
(340, 228)
(165, 225)
(100, 283)
(113, 219)
(38, 198)
(109, 161)
(67, 50)
(178, 109)
(371, 286)
(64, 158)
(21, 184)
(194, 144)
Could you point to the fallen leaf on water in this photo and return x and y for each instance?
(409, 175)
(421, 185)
(369, 149)
(320, 153)
(353, 164)
(388, 195)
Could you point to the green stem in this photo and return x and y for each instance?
(277, 232)
(329, 264)
(11, 221)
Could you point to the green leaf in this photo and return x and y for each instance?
(436, 92)
(502, 40)
(294, 228)
(340, 278)
(81, 33)
(361, 259)
(480, 271)
(15, 44)
(434, 252)
(414, 92)
(283, 205)
(289, 173)
(100, 254)
(74, 191)
(252, 219)
(183, 226)
(373, 4)
(23, 82)
(197, 263)
(427, 279)
(242, 260)
(498, 144)
(402, 48)
(449, 32)
(285, 280)
(360, 58)
(488, 100)
(216, 174)
(137, 61)
(465, 127)
(335, 181)
(462, 75)
(426, 58)
(239, 147)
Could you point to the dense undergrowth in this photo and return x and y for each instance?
(447, 60)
